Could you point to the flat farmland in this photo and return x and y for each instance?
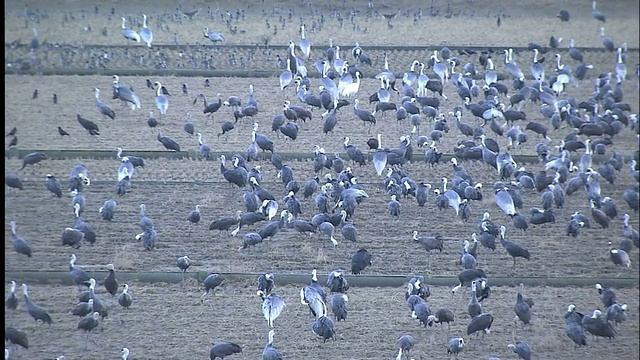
(168, 320)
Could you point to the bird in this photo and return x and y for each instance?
(12, 299)
(124, 299)
(405, 343)
(336, 281)
(522, 349)
(194, 215)
(91, 127)
(168, 143)
(360, 260)
(89, 323)
(324, 328)
(224, 349)
(16, 336)
(20, 245)
(126, 94)
(108, 209)
(210, 283)
(12, 132)
(272, 307)
(145, 33)
(104, 109)
(514, 249)
(13, 182)
(83, 309)
(129, 33)
(442, 315)
(14, 141)
(480, 323)
(429, 243)
(205, 150)
(32, 159)
(455, 346)
(597, 14)
(214, 36)
(79, 276)
(162, 102)
(619, 256)
(598, 326)
(265, 284)
(110, 282)
(36, 311)
(270, 352)
(522, 308)
(62, 132)
(52, 184)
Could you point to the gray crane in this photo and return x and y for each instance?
(270, 352)
(12, 299)
(83, 309)
(210, 283)
(29, 159)
(324, 328)
(522, 349)
(87, 324)
(598, 326)
(455, 346)
(441, 316)
(16, 337)
(473, 307)
(360, 260)
(338, 304)
(98, 304)
(79, 276)
(336, 281)
(214, 36)
(522, 308)
(108, 209)
(168, 143)
(13, 182)
(125, 94)
(124, 299)
(110, 282)
(52, 184)
(513, 249)
(480, 323)
(606, 294)
(36, 311)
(104, 109)
(619, 256)
(405, 344)
(272, 307)
(183, 264)
(223, 349)
(145, 33)
(129, 33)
(20, 245)
(265, 284)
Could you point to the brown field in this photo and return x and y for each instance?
(167, 320)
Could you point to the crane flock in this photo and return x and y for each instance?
(338, 199)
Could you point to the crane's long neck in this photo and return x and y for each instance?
(379, 141)
(444, 185)
(535, 56)
(619, 55)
